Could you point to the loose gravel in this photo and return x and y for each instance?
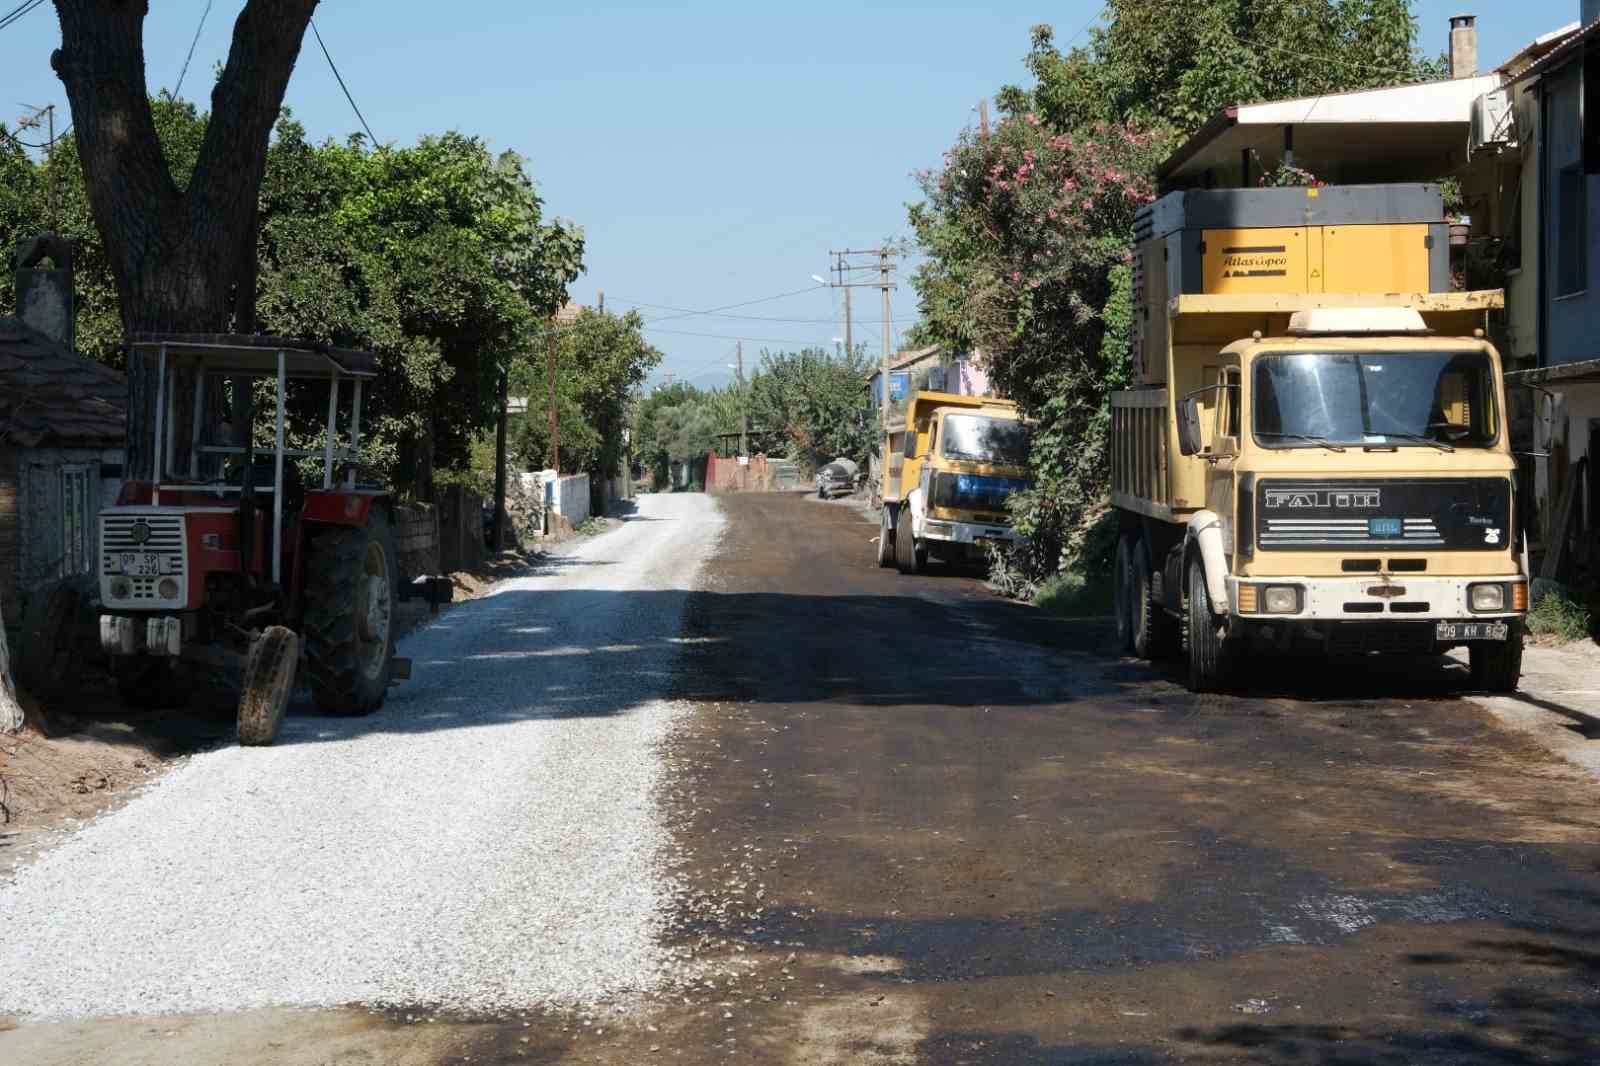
(488, 841)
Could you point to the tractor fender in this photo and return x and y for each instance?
(340, 508)
(1203, 538)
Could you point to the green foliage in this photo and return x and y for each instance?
(815, 401)
(1554, 615)
(601, 363)
(1074, 595)
(1028, 229)
(435, 256)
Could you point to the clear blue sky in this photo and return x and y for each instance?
(712, 151)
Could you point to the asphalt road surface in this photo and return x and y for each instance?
(907, 822)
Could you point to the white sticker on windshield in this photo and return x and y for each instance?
(1491, 536)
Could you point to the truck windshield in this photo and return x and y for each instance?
(1000, 441)
(1384, 399)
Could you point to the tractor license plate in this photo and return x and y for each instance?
(1473, 631)
(139, 564)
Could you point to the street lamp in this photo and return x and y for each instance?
(818, 279)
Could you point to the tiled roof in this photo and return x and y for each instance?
(49, 395)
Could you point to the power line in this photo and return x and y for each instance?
(184, 72)
(45, 147)
(746, 318)
(17, 12)
(340, 79)
(725, 336)
(725, 307)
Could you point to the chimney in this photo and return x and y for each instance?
(44, 294)
(1464, 46)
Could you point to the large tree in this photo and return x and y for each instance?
(181, 247)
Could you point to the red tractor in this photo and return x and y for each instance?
(233, 557)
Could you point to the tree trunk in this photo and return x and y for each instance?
(10, 709)
(175, 254)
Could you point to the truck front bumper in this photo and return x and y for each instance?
(950, 532)
(1371, 598)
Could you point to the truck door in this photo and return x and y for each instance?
(1225, 448)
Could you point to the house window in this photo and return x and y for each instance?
(77, 520)
(1572, 228)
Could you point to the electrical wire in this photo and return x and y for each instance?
(45, 147)
(17, 12)
(725, 307)
(745, 318)
(340, 79)
(723, 336)
(186, 59)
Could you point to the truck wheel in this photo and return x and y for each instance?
(49, 658)
(1497, 667)
(1210, 652)
(268, 680)
(1123, 593)
(350, 580)
(910, 556)
(1154, 633)
(885, 539)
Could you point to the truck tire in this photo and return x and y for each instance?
(1123, 593)
(1497, 667)
(1154, 633)
(1210, 651)
(885, 538)
(909, 556)
(351, 577)
(268, 680)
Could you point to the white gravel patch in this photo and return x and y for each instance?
(489, 841)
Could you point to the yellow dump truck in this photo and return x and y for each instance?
(1315, 455)
(949, 469)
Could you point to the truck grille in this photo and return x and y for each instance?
(1389, 514)
(165, 538)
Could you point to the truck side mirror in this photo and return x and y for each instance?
(910, 450)
(1189, 426)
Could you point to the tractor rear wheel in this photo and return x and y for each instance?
(351, 578)
(268, 680)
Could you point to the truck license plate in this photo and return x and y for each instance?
(1473, 631)
(139, 564)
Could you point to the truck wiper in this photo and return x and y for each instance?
(1324, 441)
(1421, 439)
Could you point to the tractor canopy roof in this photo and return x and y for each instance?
(256, 355)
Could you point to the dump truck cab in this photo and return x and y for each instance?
(961, 460)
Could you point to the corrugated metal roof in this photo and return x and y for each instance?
(49, 395)
(1560, 55)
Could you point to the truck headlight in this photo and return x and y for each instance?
(1487, 597)
(1280, 599)
(168, 589)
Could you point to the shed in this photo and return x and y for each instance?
(62, 422)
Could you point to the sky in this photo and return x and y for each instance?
(713, 152)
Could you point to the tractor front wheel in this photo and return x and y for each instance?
(268, 680)
(351, 578)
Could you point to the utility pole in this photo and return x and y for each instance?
(983, 116)
(744, 404)
(555, 428)
(500, 462)
(851, 262)
(44, 116)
